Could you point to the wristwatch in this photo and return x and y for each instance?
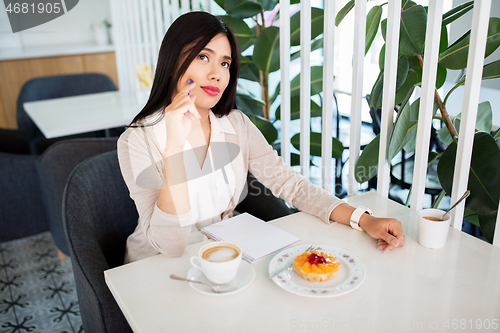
(356, 215)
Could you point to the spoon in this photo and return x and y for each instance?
(465, 195)
(218, 288)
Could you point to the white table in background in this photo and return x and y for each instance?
(84, 113)
(410, 289)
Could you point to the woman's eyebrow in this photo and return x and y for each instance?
(212, 51)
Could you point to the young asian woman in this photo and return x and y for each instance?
(186, 155)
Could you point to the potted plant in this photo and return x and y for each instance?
(259, 45)
(484, 179)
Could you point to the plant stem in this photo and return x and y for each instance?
(262, 79)
(442, 109)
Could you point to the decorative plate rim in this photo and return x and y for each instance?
(355, 278)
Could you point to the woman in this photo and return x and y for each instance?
(186, 155)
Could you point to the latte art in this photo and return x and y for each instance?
(220, 254)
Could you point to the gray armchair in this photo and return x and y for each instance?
(98, 216)
(55, 166)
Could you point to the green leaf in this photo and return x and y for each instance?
(490, 71)
(221, 3)
(455, 57)
(240, 29)
(471, 216)
(411, 136)
(412, 35)
(316, 82)
(457, 12)
(249, 105)
(496, 136)
(409, 84)
(241, 9)
(367, 164)
(372, 22)
(484, 176)
(377, 91)
(315, 45)
(381, 59)
(265, 126)
(441, 76)
(443, 42)
(343, 12)
(483, 122)
(268, 4)
(317, 25)
(316, 110)
(383, 29)
(315, 148)
(248, 70)
(487, 224)
(266, 51)
(400, 130)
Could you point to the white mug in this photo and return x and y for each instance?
(433, 234)
(219, 261)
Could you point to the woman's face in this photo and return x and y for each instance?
(210, 71)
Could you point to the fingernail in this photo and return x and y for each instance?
(394, 242)
(190, 82)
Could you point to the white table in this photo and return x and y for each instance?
(412, 288)
(85, 113)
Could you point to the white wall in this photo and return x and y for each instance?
(74, 27)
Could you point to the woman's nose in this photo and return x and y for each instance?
(214, 72)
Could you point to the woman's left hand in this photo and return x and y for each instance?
(389, 232)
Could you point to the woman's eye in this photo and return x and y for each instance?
(225, 64)
(203, 57)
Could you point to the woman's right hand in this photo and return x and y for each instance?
(179, 116)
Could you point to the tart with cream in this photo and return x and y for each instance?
(316, 267)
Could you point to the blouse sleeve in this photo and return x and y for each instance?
(144, 179)
(283, 181)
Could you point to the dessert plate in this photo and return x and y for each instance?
(243, 279)
(350, 276)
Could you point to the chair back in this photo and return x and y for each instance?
(55, 166)
(98, 216)
(58, 86)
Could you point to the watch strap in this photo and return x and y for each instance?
(356, 215)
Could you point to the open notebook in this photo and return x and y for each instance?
(256, 238)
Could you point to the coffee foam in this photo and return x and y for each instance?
(220, 254)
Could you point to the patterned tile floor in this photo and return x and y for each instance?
(37, 291)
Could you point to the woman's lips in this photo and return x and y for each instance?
(211, 90)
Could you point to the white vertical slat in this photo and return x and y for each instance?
(174, 6)
(145, 34)
(305, 85)
(152, 46)
(207, 7)
(285, 78)
(195, 4)
(474, 73)
(390, 74)
(128, 48)
(160, 28)
(431, 54)
(134, 12)
(167, 14)
(185, 6)
(326, 137)
(357, 91)
(118, 39)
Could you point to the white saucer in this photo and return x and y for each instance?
(243, 279)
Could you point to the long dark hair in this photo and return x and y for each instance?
(184, 40)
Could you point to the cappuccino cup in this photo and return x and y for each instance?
(219, 261)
